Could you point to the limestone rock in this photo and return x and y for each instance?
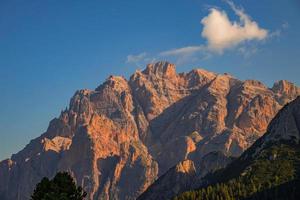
(118, 139)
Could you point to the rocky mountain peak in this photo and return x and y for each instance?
(161, 69)
(254, 83)
(284, 86)
(285, 91)
(118, 83)
(144, 126)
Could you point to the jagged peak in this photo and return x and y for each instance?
(221, 83)
(79, 94)
(284, 86)
(254, 83)
(116, 82)
(83, 92)
(161, 68)
(254, 87)
(116, 78)
(202, 73)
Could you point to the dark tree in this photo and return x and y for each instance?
(61, 187)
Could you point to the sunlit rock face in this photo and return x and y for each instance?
(118, 139)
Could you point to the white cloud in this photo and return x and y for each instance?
(182, 51)
(140, 59)
(247, 52)
(187, 54)
(221, 33)
(279, 31)
(136, 58)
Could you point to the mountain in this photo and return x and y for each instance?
(118, 139)
(182, 177)
(269, 169)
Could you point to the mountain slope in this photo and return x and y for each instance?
(267, 170)
(182, 176)
(118, 139)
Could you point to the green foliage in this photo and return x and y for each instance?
(61, 187)
(273, 174)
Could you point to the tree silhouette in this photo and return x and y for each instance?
(61, 187)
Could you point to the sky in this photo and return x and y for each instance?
(49, 49)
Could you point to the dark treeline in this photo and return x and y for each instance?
(273, 175)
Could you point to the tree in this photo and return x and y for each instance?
(61, 187)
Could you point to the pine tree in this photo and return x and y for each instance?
(61, 187)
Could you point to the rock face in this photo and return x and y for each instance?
(175, 180)
(269, 169)
(118, 139)
(285, 127)
(183, 176)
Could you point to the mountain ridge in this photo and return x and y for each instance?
(130, 132)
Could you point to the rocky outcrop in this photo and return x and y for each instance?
(286, 125)
(284, 128)
(118, 139)
(269, 169)
(175, 180)
(184, 176)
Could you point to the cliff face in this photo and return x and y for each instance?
(269, 169)
(118, 139)
(184, 176)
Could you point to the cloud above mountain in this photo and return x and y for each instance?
(221, 33)
(136, 58)
(183, 50)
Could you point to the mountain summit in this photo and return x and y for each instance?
(118, 139)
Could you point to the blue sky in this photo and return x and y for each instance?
(49, 49)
